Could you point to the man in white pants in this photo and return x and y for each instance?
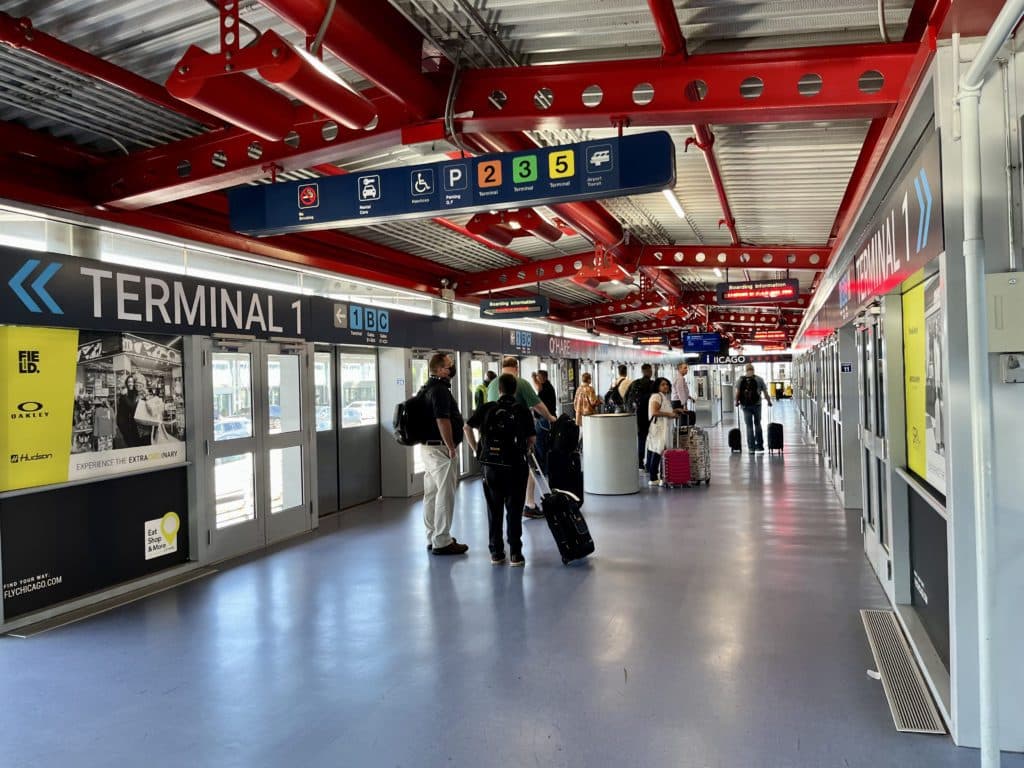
(440, 458)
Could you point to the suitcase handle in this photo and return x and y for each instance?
(538, 476)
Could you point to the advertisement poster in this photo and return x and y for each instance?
(925, 391)
(85, 405)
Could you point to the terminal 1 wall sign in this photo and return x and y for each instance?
(590, 170)
(759, 291)
(510, 309)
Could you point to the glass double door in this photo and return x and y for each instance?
(257, 445)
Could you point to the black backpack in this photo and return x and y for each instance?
(638, 395)
(565, 435)
(750, 392)
(613, 399)
(412, 419)
(500, 443)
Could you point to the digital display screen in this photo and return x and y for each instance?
(702, 342)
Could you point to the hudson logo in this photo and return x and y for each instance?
(23, 458)
(30, 409)
(28, 361)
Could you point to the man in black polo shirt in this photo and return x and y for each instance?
(506, 436)
(440, 458)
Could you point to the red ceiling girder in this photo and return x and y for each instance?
(186, 168)
(667, 22)
(45, 149)
(19, 33)
(678, 93)
(779, 257)
(721, 317)
(682, 306)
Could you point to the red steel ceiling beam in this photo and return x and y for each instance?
(230, 156)
(698, 89)
(44, 149)
(731, 257)
(719, 317)
(778, 257)
(667, 23)
(20, 34)
(673, 44)
(683, 306)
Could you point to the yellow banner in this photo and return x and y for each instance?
(915, 372)
(37, 394)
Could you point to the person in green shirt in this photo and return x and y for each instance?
(525, 395)
(480, 393)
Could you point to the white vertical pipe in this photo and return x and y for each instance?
(969, 98)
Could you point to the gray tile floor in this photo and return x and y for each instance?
(714, 627)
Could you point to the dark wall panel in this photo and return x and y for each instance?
(929, 564)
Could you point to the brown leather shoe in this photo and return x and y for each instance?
(452, 549)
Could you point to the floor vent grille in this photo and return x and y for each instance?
(911, 703)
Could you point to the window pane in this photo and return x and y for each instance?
(324, 396)
(284, 394)
(232, 395)
(233, 486)
(358, 389)
(285, 478)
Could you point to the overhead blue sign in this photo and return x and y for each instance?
(591, 170)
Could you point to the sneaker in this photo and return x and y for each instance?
(533, 513)
(759, 450)
(654, 482)
(497, 559)
(517, 561)
(452, 549)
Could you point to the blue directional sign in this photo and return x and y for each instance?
(37, 288)
(591, 170)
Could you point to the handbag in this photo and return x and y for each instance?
(149, 412)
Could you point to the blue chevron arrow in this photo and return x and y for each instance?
(928, 211)
(19, 277)
(920, 213)
(38, 285)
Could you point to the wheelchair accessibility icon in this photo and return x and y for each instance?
(422, 182)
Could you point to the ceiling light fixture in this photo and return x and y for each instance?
(718, 272)
(674, 202)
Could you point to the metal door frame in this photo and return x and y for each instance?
(265, 528)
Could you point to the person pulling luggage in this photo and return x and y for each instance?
(749, 389)
(506, 437)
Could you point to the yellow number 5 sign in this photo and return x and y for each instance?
(562, 164)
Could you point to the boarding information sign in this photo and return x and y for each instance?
(590, 170)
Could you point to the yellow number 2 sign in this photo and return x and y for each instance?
(562, 164)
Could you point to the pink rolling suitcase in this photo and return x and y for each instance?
(675, 464)
(675, 467)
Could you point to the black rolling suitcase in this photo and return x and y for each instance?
(775, 438)
(562, 511)
(735, 440)
(565, 472)
(687, 419)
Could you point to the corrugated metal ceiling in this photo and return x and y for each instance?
(784, 182)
